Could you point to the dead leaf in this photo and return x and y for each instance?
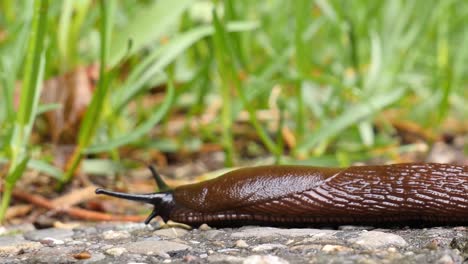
(73, 91)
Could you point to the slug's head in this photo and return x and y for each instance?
(163, 202)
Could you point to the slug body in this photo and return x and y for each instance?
(399, 194)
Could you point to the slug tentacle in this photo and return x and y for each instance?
(162, 201)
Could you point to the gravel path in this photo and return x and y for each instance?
(138, 243)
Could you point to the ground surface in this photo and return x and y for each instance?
(138, 243)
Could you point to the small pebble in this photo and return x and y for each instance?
(268, 259)
(334, 248)
(49, 241)
(377, 239)
(170, 232)
(392, 250)
(446, 259)
(433, 244)
(241, 244)
(189, 258)
(111, 234)
(267, 247)
(117, 251)
(204, 227)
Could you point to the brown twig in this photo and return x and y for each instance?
(74, 211)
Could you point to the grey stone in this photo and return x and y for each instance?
(116, 251)
(111, 234)
(267, 259)
(56, 233)
(445, 259)
(50, 241)
(150, 247)
(213, 234)
(377, 239)
(221, 258)
(130, 227)
(267, 247)
(53, 255)
(170, 232)
(241, 244)
(228, 250)
(12, 245)
(259, 232)
(335, 248)
(228, 245)
(204, 227)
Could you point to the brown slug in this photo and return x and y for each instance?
(401, 194)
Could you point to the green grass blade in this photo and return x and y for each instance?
(149, 24)
(142, 129)
(46, 168)
(160, 58)
(350, 117)
(93, 113)
(33, 74)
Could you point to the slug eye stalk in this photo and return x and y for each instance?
(163, 202)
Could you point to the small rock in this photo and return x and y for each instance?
(218, 244)
(129, 227)
(189, 258)
(111, 234)
(241, 244)
(377, 239)
(170, 232)
(335, 248)
(460, 243)
(204, 227)
(38, 235)
(268, 259)
(306, 248)
(267, 247)
(162, 254)
(354, 228)
(213, 234)
(434, 244)
(116, 251)
(392, 250)
(60, 254)
(151, 247)
(259, 232)
(228, 250)
(49, 241)
(220, 258)
(446, 259)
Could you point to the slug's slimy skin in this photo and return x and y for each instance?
(400, 194)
